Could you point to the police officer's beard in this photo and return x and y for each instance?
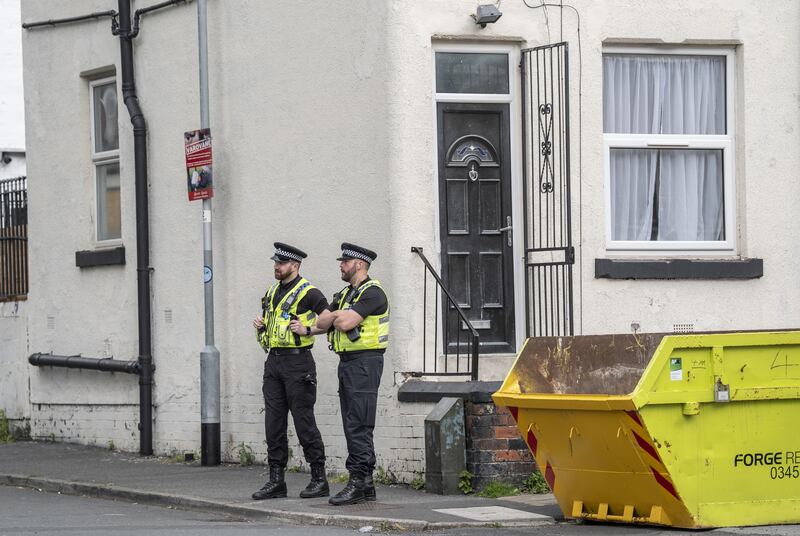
(282, 272)
(347, 275)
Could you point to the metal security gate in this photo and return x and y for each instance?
(549, 254)
(13, 239)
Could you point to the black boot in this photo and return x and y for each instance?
(275, 487)
(369, 488)
(318, 487)
(353, 492)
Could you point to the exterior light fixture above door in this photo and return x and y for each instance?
(486, 14)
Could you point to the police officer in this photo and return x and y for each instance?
(290, 308)
(358, 330)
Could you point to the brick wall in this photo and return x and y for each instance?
(495, 449)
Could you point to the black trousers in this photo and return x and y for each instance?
(359, 380)
(290, 384)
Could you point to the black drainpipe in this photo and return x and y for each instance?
(142, 229)
(106, 364)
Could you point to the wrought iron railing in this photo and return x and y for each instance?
(472, 341)
(13, 239)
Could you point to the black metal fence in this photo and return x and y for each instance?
(13, 239)
(446, 364)
(549, 254)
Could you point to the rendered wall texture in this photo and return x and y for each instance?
(14, 396)
(12, 111)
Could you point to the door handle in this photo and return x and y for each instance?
(507, 229)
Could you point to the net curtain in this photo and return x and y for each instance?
(665, 194)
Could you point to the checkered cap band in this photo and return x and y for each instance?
(357, 255)
(283, 253)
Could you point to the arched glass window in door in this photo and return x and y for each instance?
(471, 148)
(472, 152)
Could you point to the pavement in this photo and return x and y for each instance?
(92, 471)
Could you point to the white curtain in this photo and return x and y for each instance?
(673, 194)
(633, 180)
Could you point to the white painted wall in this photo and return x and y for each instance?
(12, 114)
(767, 156)
(767, 126)
(14, 399)
(15, 168)
(14, 393)
(324, 132)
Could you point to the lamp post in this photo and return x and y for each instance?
(209, 356)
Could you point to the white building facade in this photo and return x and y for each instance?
(396, 125)
(12, 109)
(13, 369)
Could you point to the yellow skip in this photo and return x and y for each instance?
(690, 431)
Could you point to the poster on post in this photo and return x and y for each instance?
(199, 177)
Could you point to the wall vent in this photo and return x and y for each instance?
(682, 328)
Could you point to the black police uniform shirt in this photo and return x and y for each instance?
(314, 300)
(372, 302)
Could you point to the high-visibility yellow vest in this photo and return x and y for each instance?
(277, 333)
(373, 330)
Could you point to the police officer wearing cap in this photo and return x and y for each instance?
(357, 322)
(285, 331)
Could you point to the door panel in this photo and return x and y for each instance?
(492, 279)
(459, 284)
(475, 204)
(490, 206)
(457, 207)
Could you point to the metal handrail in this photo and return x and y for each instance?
(475, 335)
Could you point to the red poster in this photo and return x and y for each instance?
(199, 177)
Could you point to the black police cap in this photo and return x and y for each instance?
(352, 251)
(285, 252)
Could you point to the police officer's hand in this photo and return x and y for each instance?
(258, 323)
(297, 327)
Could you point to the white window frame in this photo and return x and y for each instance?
(101, 158)
(510, 51)
(725, 142)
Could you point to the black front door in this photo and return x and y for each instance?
(475, 222)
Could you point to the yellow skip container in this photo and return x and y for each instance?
(705, 433)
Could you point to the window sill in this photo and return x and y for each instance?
(678, 269)
(100, 257)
